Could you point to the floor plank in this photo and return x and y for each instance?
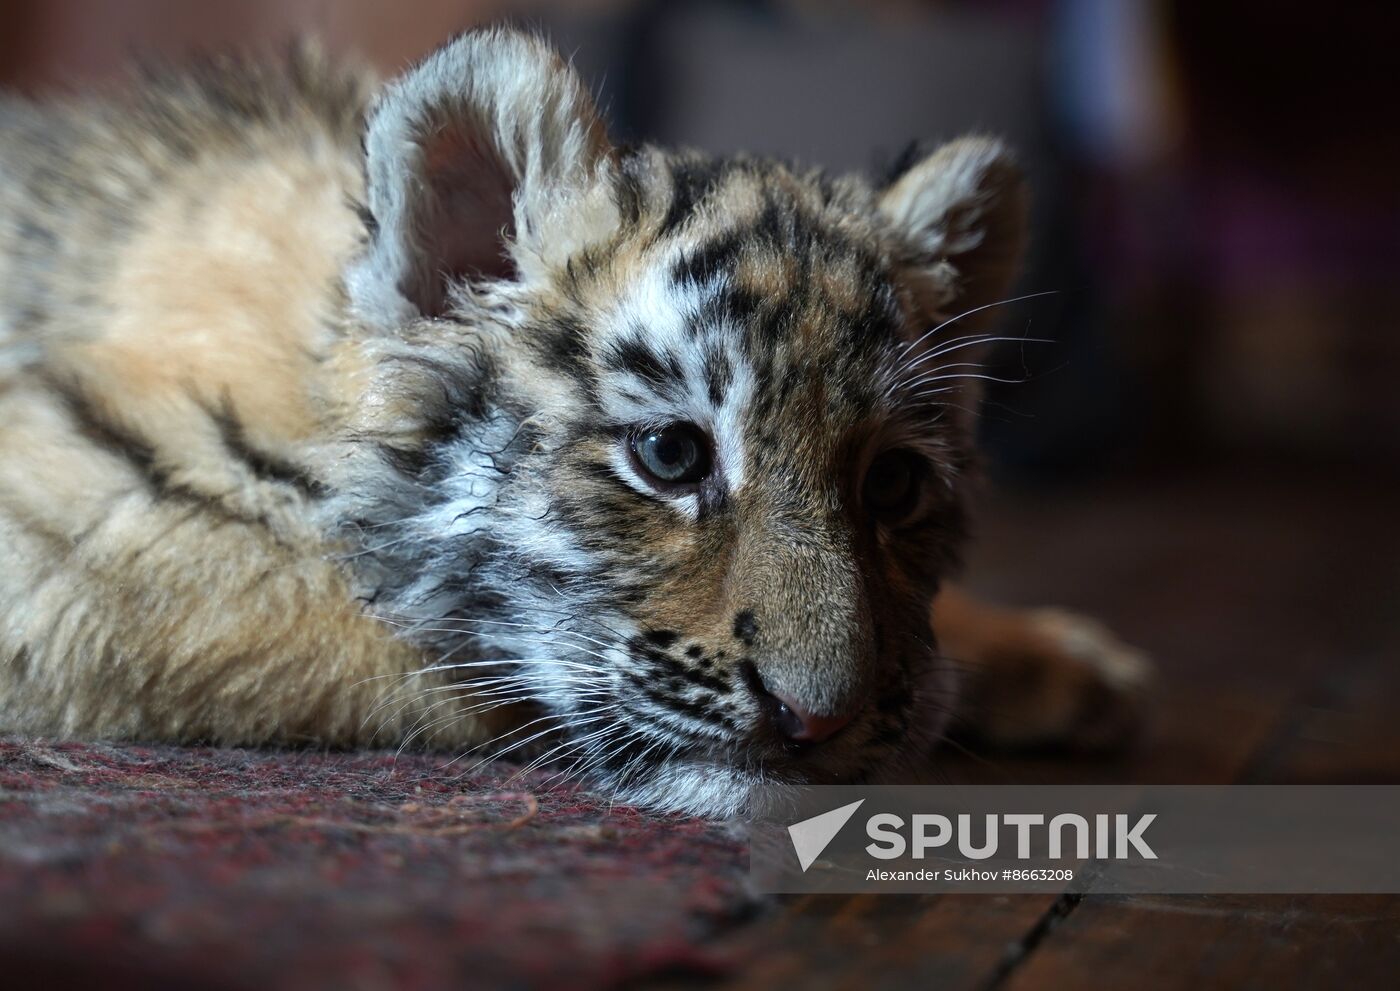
(1338, 727)
(1180, 941)
(831, 942)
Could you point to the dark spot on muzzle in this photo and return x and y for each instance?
(745, 627)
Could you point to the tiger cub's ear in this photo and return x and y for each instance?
(959, 219)
(483, 161)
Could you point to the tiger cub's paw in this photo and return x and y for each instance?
(1057, 679)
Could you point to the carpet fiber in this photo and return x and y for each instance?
(127, 866)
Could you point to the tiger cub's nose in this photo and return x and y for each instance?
(798, 724)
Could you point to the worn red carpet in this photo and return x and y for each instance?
(131, 866)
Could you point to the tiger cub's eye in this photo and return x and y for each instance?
(676, 454)
(891, 487)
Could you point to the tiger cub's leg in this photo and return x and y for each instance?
(1040, 677)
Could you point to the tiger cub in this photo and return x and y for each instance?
(424, 415)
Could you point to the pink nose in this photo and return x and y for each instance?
(797, 724)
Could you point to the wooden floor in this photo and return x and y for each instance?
(1271, 602)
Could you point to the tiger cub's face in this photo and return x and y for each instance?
(674, 442)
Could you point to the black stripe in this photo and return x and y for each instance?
(716, 683)
(719, 374)
(19, 663)
(132, 448)
(695, 710)
(462, 394)
(563, 343)
(628, 187)
(633, 355)
(711, 259)
(102, 432)
(265, 465)
(692, 181)
(367, 219)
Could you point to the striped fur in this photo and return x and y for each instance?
(315, 407)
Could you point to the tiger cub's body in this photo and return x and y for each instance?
(297, 445)
(174, 361)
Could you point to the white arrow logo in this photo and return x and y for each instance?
(811, 836)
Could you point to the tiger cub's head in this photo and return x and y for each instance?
(676, 440)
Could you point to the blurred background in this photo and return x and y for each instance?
(1207, 454)
(1215, 183)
